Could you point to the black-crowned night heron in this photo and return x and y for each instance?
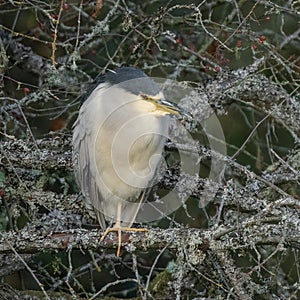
(118, 142)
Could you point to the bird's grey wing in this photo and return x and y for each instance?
(84, 174)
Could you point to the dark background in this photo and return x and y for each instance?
(52, 50)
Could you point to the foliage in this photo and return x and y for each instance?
(242, 57)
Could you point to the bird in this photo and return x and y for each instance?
(118, 142)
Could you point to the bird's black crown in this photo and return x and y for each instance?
(130, 79)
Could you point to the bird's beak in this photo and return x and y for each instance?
(171, 108)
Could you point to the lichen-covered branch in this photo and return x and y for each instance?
(45, 236)
(237, 235)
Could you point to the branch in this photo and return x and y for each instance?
(41, 236)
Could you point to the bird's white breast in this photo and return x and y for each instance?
(125, 142)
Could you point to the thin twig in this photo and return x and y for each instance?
(28, 268)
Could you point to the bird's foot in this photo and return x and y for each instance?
(119, 230)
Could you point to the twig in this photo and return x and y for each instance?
(27, 267)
